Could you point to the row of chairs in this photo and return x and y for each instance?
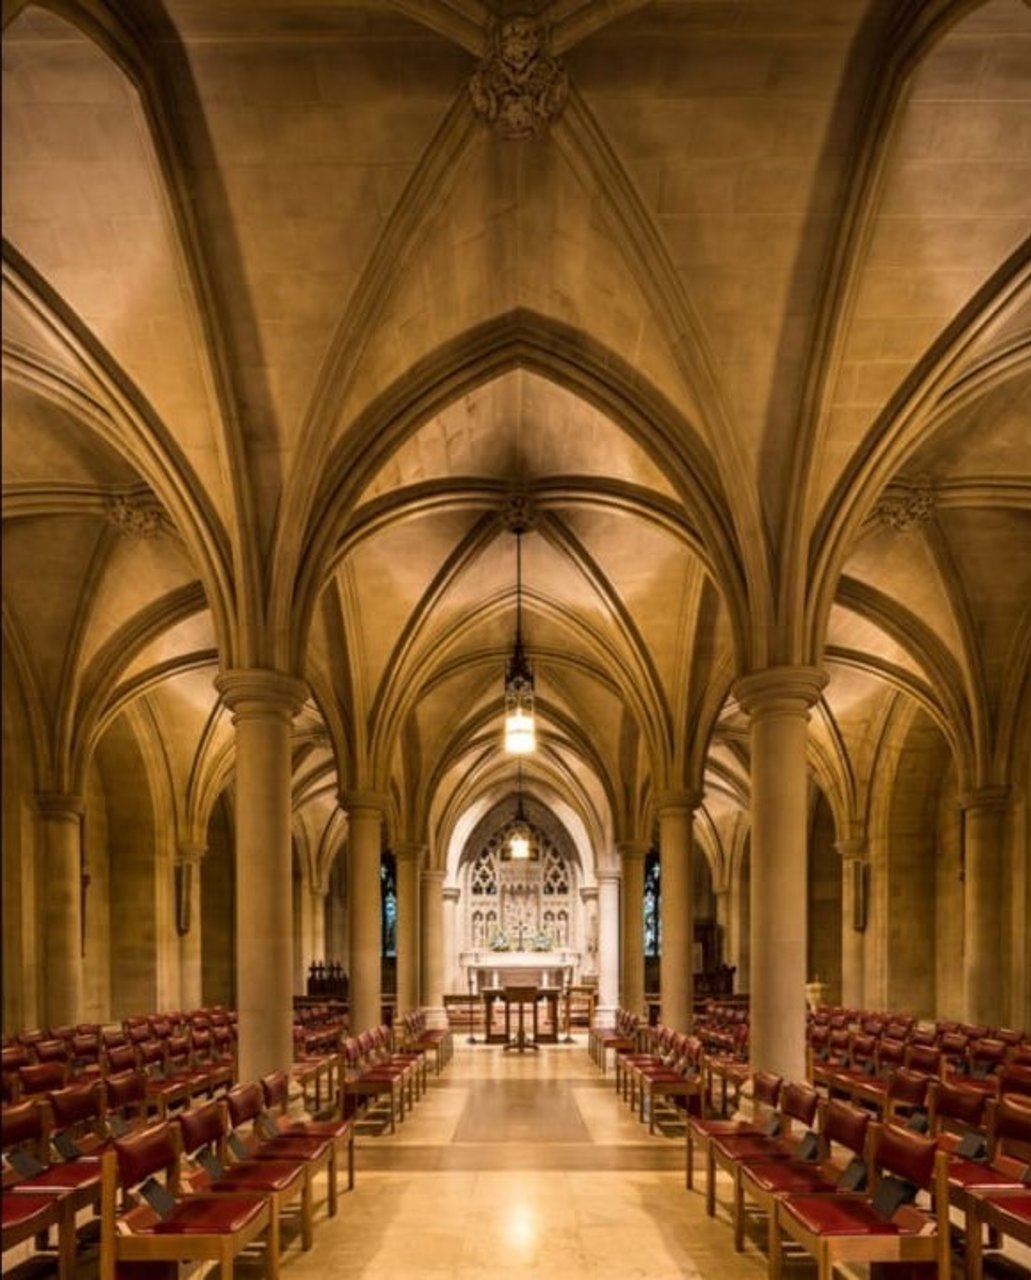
(862, 1188)
(93, 1145)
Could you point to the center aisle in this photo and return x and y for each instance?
(521, 1165)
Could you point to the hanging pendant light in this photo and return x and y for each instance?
(520, 731)
(520, 837)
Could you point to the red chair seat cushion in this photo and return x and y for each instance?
(723, 1128)
(840, 1216)
(969, 1173)
(74, 1175)
(27, 1211)
(294, 1146)
(751, 1146)
(260, 1175)
(200, 1216)
(331, 1129)
(798, 1177)
(1015, 1210)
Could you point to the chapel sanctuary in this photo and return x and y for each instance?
(516, 639)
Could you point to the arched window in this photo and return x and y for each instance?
(652, 903)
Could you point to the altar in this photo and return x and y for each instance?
(486, 969)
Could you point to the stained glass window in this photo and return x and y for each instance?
(652, 901)
(388, 899)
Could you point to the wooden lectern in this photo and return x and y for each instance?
(520, 997)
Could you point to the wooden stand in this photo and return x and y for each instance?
(520, 997)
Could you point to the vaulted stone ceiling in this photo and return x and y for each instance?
(288, 325)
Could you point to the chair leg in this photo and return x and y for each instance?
(710, 1180)
(776, 1257)
(272, 1241)
(689, 1170)
(307, 1212)
(739, 1212)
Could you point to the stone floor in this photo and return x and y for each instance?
(524, 1166)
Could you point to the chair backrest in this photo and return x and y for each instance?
(53, 1051)
(76, 1104)
(119, 1058)
(26, 1123)
(275, 1088)
(86, 1047)
(955, 1106)
(904, 1153)
(766, 1088)
(1009, 1036)
(844, 1124)
(799, 1102)
(1009, 1126)
(148, 1152)
(126, 1091)
(178, 1051)
(201, 1126)
(1014, 1077)
(862, 1048)
(42, 1077)
(983, 1056)
(151, 1055)
(889, 1054)
(908, 1088)
(924, 1057)
(245, 1102)
(13, 1056)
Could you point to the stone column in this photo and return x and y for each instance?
(409, 860)
(433, 945)
(59, 888)
(263, 704)
(985, 921)
(853, 901)
(452, 977)
(188, 923)
(676, 961)
(778, 702)
(632, 856)
(365, 908)
(608, 947)
(589, 897)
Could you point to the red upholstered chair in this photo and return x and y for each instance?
(126, 1104)
(119, 1057)
(852, 1226)
(861, 1065)
(203, 1132)
(38, 1078)
(1008, 1162)
(275, 1088)
(984, 1059)
(85, 1054)
(188, 1227)
(831, 1057)
(682, 1082)
(655, 1049)
(841, 1143)
(796, 1106)
(72, 1184)
(218, 1067)
(77, 1113)
(1013, 1077)
(620, 1038)
(28, 1215)
(362, 1081)
(869, 1088)
(1006, 1211)
(435, 1040)
(256, 1136)
(765, 1094)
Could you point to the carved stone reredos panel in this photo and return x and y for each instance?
(519, 87)
(537, 815)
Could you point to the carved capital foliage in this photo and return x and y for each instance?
(137, 515)
(905, 505)
(519, 87)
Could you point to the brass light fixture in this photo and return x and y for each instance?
(520, 731)
(520, 837)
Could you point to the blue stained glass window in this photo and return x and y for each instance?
(652, 903)
(388, 898)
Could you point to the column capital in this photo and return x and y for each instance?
(853, 850)
(190, 851)
(429, 875)
(670, 802)
(609, 876)
(409, 853)
(988, 798)
(259, 691)
(780, 690)
(352, 801)
(55, 804)
(451, 893)
(631, 850)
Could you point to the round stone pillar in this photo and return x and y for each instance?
(985, 980)
(778, 702)
(365, 910)
(854, 870)
(676, 961)
(608, 947)
(452, 975)
(632, 856)
(409, 860)
(188, 923)
(263, 704)
(59, 888)
(433, 945)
